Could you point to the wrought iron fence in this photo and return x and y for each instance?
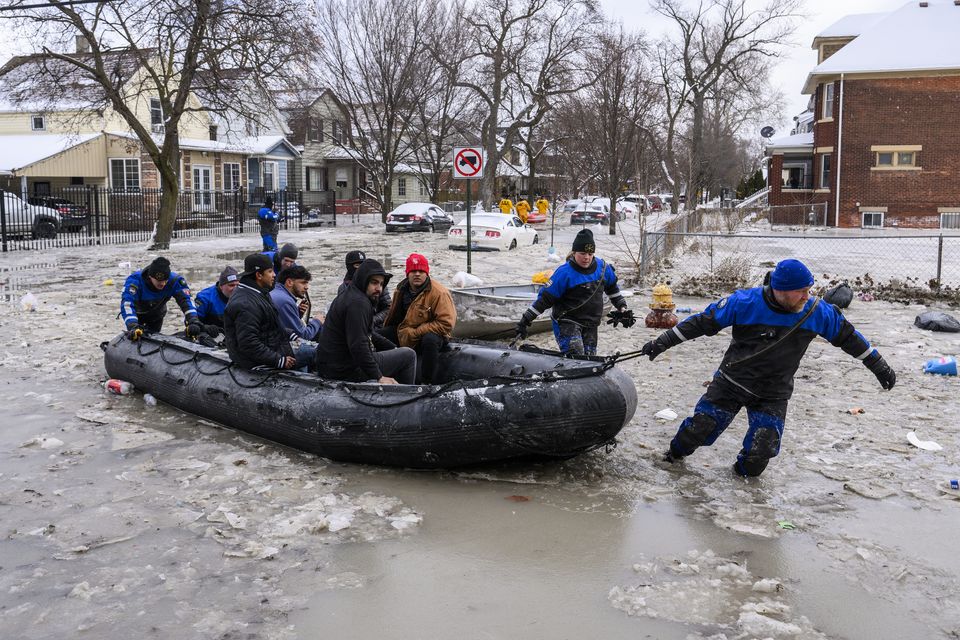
(91, 215)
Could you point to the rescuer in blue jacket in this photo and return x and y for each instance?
(269, 225)
(143, 302)
(772, 328)
(212, 301)
(575, 294)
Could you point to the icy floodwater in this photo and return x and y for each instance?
(117, 515)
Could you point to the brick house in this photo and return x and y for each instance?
(883, 146)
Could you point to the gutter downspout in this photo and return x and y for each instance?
(836, 206)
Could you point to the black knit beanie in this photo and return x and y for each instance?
(289, 250)
(159, 269)
(584, 242)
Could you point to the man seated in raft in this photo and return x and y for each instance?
(212, 301)
(349, 348)
(422, 316)
(254, 337)
(143, 302)
(353, 261)
(290, 289)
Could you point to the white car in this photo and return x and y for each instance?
(492, 232)
(23, 219)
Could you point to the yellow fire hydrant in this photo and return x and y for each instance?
(661, 316)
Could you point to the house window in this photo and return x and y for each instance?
(796, 176)
(828, 100)
(251, 127)
(38, 123)
(269, 176)
(423, 189)
(213, 132)
(401, 186)
(76, 181)
(156, 112)
(125, 174)
(336, 131)
(896, 157)
(341, 178)
(315, 129)
(825, 171)
(872, 218)
(231, 176)
(950, 219)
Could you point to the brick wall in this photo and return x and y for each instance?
(896, 111)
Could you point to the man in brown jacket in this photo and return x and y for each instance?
(421, 316)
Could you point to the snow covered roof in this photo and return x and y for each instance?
(912, 38)
(252, 145)
(849, 26)
(798, 142)
(19, 151)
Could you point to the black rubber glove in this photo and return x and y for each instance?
(652, 349)
(523, 327)
(622, 316)
(194, 329)
(884, 372)
(135, 332)
(213, 330)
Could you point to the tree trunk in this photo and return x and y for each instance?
(696, 150)
(167, 168)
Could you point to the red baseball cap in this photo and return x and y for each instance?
(417, 262)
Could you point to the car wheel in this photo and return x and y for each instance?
(433, 228)
(45, 230)
(513, 244)
(536, 239)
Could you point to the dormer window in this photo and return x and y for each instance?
(156, 112)
(827, 101)
(213, 132)
(38, 123)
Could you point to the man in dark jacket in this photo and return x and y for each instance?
(254, 337)
(772, 328)
(353, 260)
(348, 348)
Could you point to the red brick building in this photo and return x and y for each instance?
(883, 146)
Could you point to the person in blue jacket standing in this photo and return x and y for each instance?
(575, 294)
(212, 301)
(772, 327)
(269, 225)
(143, 302)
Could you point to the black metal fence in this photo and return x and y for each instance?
(90, 215)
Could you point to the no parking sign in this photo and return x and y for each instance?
(467, 163)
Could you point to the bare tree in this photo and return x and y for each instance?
(375, 61)
(523, 55)
(139, 49)
(719, 39)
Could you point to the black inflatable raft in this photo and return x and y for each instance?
(492, 403)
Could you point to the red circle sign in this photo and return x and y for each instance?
(468, 162)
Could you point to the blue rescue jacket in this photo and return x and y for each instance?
(576, 294)
(139, 298)
(210, 304)
(269, 221)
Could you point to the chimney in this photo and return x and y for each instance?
(83, 45)
(924, 4)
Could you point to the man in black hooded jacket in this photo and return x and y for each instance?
(348, 348)
(353, 260)
(254, 337)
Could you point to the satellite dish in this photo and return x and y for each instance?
(766, 132)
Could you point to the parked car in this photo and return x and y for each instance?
(571, 205)
(23, 218)
(492, 232)
(73, 217)
(656, 204)
(590, 214)
(418, 216)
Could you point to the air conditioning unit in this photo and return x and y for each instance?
(157, 128)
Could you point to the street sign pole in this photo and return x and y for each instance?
(469, 236)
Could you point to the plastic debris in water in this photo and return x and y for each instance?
(123, 265)
(954, 484)
(786, 524)
(108, 282)
(666, 414)
(149, 400)
(926, 445)
(946, 366)
(29, 302)
(119, 387)
(517, 498)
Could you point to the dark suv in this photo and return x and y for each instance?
(73, 217)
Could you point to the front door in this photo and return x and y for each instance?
(202, 188)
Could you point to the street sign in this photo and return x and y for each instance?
(467, 163)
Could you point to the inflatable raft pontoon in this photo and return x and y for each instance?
(491, 403)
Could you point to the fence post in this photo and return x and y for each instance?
(3, 219)
(711, 254)
(96, 212)
(939, 261)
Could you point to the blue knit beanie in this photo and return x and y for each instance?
(790, 275)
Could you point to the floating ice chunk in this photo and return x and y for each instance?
(926, 445)
(43, 442)
(767, 585)
(761, 626)
(82, 591)
(666, 414)
(405, 521)
(340, 519)
(253, 549)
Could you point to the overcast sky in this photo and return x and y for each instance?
(791, 70)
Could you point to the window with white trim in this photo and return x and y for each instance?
(401, 186)
(827, 110)
(231, 176)
(315, 129)
(950, 219)
(336, 132)
(825, 171)
(894, 159)
(125, 174)
(156, 111)
(873, 219)
(38, 123)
